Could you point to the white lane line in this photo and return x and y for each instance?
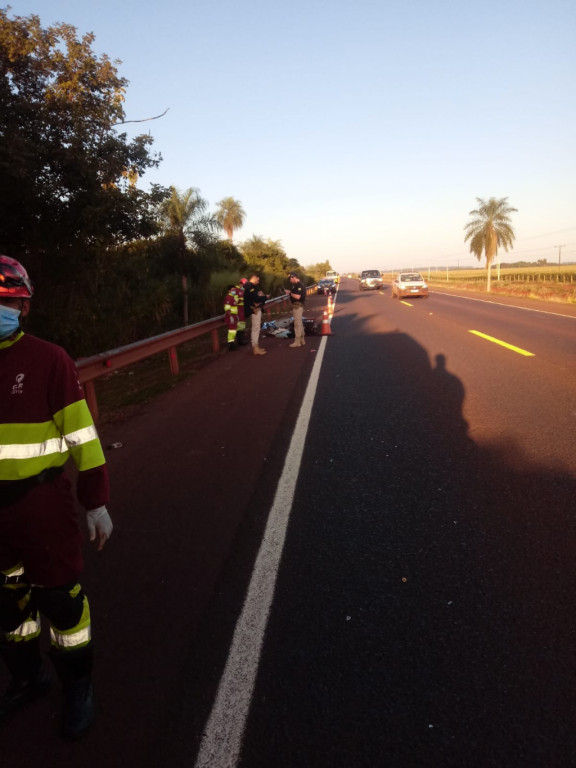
(222, 739)
(510, 306)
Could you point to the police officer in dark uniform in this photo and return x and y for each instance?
(297, 293)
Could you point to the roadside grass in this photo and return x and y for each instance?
(563, 293)
(122, 392)
(546, 283)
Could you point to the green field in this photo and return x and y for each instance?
(546, 283)
(543, 274)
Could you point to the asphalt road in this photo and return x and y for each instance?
(423, 612)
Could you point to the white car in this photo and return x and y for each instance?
(409, 284)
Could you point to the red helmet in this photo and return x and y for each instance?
(243, 280)
(14, 280)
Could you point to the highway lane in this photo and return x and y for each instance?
(545, 331)
(423, 612)
(530, 400)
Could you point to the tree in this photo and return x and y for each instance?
(489, 229)
(230, 215)
(185, 216)
(317, 271)
(265, 255)
(67, 192)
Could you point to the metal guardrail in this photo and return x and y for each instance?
(92, 368)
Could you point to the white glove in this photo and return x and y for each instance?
(99, 524)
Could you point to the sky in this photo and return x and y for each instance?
(355, 131)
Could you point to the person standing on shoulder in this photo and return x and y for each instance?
(254, 300)
(297, 293)
(231, 316)
(44, 419)
(240, 287)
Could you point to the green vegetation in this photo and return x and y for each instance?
(111, 263)
(318, 271)
(546, 283)
(230, 215)
(490, 229)
(185, 216)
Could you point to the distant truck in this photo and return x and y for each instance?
(333, 275)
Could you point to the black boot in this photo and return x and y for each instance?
(74, 669)
(30, 680)
(79, 709)
(232, 346)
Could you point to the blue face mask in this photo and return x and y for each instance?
(9, 321)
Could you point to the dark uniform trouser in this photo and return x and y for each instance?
(40, 559)
(68, 613)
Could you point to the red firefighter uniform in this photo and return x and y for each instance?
(241, 315)
(44, 420)
(231, 309)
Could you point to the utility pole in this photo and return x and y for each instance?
(560, 253)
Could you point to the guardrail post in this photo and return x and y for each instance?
(215, 341)
(173, 355)
(90, 395)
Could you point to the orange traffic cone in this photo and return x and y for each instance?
(326, 330)
(330, 306)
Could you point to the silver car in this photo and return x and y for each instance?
(409, 284)
(370, 279)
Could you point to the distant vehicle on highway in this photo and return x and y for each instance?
(326, 285)
(409, 284)
(370, 279)
(333, 275)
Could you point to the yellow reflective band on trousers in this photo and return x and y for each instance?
(30, 628)
(26, 631)
(78, 636)
(28, 449)
(16, 570)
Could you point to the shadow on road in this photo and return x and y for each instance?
(424, 612)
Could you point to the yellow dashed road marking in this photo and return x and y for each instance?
(503, 344)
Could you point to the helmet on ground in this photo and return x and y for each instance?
(14, 280)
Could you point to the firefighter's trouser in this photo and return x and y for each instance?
(232, 324)
(68, 613)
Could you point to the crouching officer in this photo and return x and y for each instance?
(44, 419)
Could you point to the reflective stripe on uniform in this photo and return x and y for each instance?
(28, 449)
(54, 445)
(73, 640)
(79, 635)
(28, 629)
(33, 450)
(16, 570)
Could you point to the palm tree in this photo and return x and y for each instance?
(184, 214)
(230, 215)
(490, 228)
